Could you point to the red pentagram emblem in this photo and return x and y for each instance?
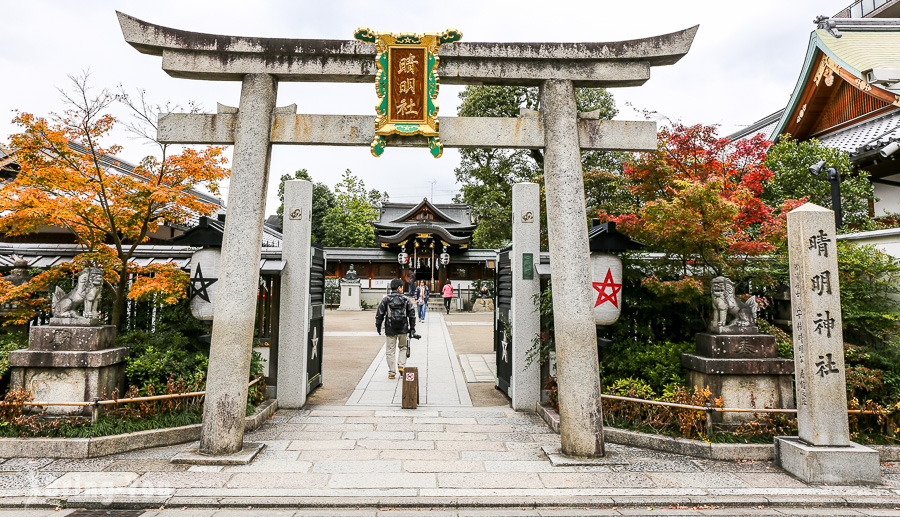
(602, 297)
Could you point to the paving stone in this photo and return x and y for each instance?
(769, 480)
(402, 479)
(380, 420)
(444, 436)
(77, 465)
(340, 455)
(443, 420)
(141, 466)
(29, 479)
(489, 480)
(481, 413)
(206, 468)
(320, 445)
(503, 455)
(409, 427)
(381, 435)
(479, 428)
(420, 455)
(396, 444)
(155, 453)
(356, 466)
(182, 480)
(469, 446)
(292, 480)
(442, 466)
(254, 513)
(24, 464)
(736, 466)
(309, 436)
(657, 466)
(338, 427)
(341, 412)
(698, 480)
(595, 480)
(94, 480)
(283, 455)
(274, 466)
(275, 445)
(318, 420)
(520, 466)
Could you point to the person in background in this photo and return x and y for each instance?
(447, 293)
(422, 294)
(397, 313)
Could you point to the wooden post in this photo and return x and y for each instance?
(410, 388)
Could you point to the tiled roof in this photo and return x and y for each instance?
(766, 126)
(867, 135)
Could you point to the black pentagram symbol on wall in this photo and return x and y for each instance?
(199, 285)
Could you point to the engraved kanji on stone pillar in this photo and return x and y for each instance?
(818, 336)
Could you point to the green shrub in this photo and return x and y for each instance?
(657, 365)
(8, 343)
(154, 358)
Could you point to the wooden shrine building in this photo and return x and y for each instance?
(848, 96)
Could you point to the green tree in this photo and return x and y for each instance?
(789, 161)
(347, 223)
(487, 175)
(322, 201)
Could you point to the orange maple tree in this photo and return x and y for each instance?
(66, 180)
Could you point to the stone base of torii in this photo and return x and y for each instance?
(260, 63)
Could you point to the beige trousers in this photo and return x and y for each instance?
(391, 344)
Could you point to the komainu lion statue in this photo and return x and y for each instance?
(725, 303)
(86, 295)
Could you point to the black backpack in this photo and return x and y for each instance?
(396, 313)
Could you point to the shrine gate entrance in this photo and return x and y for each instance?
(261, 63)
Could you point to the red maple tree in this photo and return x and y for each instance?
(699, 201)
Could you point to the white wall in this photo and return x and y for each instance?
(889, 197)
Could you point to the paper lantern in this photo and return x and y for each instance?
(204, 273)
(606, 283)
(403, 258)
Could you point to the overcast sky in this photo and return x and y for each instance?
(743, 64)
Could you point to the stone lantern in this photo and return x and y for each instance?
(606, 244)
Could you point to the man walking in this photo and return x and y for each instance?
(398, 314)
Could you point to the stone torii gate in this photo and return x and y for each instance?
(260, 63)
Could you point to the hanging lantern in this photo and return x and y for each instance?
(403, 257)
(445, 259)
(606, 280)
(606, 270)
(202, 291)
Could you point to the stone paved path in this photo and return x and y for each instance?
(465, 512)
(441, 380)
(479, 367)
(448, 457)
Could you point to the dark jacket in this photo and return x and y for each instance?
(423, 292)
(381, 314)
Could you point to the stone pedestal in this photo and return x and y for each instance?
(743, 369)
(850, 465)
(350, 296)
(66, 363)
(483, 305)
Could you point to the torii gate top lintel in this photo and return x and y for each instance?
(193, 55)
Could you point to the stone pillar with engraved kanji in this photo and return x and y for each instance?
(823, 452)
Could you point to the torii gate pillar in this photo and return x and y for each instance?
(222, 431)
(577, 366)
